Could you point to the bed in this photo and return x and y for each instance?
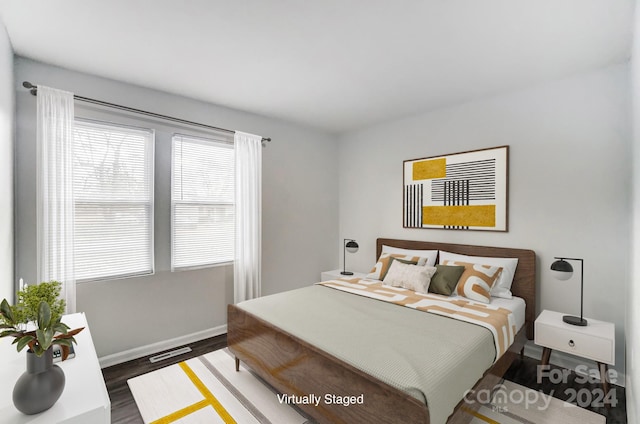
(302, 364)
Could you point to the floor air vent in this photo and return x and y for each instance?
(170, 354)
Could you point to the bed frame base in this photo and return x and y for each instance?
(294, 367)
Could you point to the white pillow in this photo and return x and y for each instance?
(412, 277)
(502, 288)
(430, 255)
(381, 267)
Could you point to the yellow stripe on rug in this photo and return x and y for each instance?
(209, 400)
(479, 415)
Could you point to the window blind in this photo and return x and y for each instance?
(202, 202)
(113, 193)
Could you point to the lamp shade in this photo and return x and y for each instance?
(561, 269)
(352, 246)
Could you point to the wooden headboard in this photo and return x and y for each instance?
(524, 281)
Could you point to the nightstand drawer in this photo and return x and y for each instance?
(571, 341)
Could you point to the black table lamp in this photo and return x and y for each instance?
(349, 246)
(562, 270)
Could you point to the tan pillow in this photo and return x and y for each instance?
(476, 280)
(412, 277)
(502, 287)
(381, 267)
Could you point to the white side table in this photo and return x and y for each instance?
(596, 341)
(84, 399)
(335, 274)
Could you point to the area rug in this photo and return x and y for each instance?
(207, 389)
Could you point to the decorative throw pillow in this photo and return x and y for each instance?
(412, 277)
(446, 279)
(502, 287)
(476, 280)
(379, 271)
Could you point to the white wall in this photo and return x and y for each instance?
(569, 183)
(300, 215)
(633, 293)
(7, 106)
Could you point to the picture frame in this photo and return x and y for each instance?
(458, 191)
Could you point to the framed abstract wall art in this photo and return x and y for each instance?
(460, 191)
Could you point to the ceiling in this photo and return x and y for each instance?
(336, 65)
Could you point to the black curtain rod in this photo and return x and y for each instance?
(33, 89)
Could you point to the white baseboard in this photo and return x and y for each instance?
(570, 362)
(139, 352)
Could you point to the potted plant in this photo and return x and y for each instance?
(35, 321)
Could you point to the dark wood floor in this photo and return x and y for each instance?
(524, 372)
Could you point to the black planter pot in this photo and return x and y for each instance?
(40, 386)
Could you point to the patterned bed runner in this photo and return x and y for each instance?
(499, 321)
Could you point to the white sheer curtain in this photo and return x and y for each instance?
(247, 270)
(55, 118)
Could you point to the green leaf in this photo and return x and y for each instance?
(23, 342)
(6, 311)
(44, 315)
(65, 342)
(45, 337)
(60, 328)
(10, 333)
(38, 350)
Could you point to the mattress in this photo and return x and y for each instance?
(516, 305)
(433, 358)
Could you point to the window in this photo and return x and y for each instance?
(202, 202)
(113, 193)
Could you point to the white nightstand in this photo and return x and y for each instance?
(596, 341)
(335, 274)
